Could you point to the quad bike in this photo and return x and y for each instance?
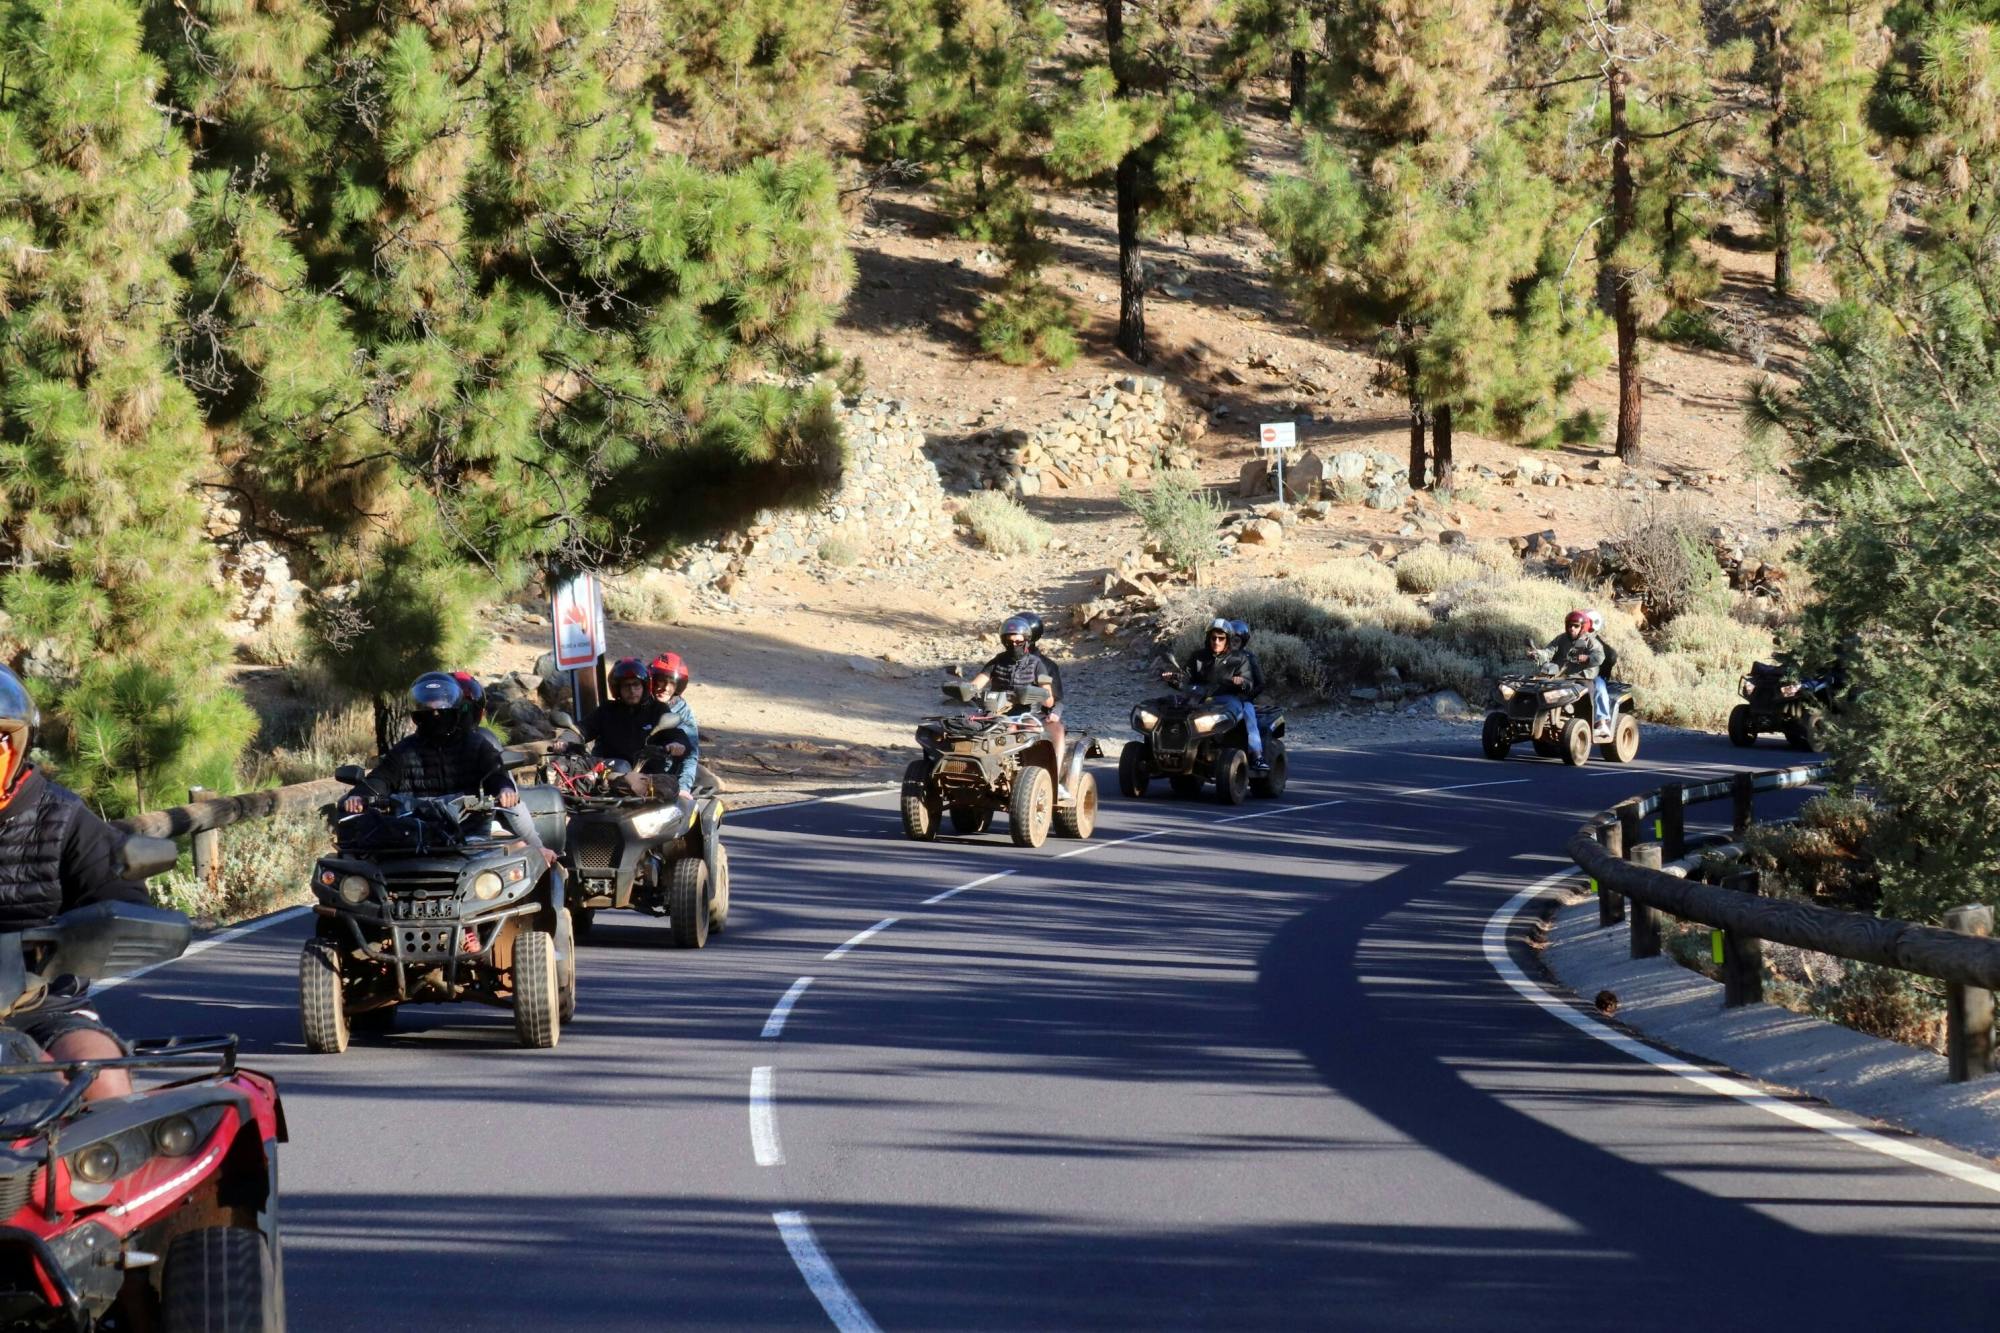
(629, 846)
(155, 1210)
(435, 900)
(1190, 741)
(1552, 711)
(998, 757)
(1773, 703)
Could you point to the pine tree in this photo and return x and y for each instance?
(744, 78)
(109, 600)
(457, 306)
(1266, 37)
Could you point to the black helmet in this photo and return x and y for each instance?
(438, 707)
(1239, 631)
(624, 669)
(20, 723)
(1026, 624)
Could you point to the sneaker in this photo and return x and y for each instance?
(1259, 767)
(1603, 735)
(1062, 792)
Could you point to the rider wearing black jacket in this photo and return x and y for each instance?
(618, 727)
(1021, 663)
(55, 854)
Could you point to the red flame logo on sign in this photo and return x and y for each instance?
(573, 616)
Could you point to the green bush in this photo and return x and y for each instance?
(839, 549)
(1180, 518)
(1029, 324)
(1691, 328)
(999, 523)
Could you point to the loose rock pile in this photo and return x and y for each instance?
(1370, 477)
(1117, 436)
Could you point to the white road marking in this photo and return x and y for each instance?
(810, 800)
(1494, 944)
(764, 1145)
(783, 1008)
(937, 898)
(203, 946)
(1465, 786)
(1099, 846)
(864, 936)
(824, 1282)
(1281, 810)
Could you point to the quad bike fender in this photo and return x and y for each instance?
(709, 822)
(1041, 754)
(1079, 748)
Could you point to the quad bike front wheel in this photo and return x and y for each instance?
(1624, 745)
(1232, 776)
(322, 1003)
(1031, 807)
(1135, 769)
(718, 892)
(1740, 731)
(971, 820)
(1576, 742)
(537, 994)
(1078, 818)
(566, 968)
(922, 810)
(688, 902)
(1493, 742)
(1801, 732)
(220, 1280)
(1272, 782)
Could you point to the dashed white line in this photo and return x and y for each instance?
(764, 1145)
(864, 936)
(783, 1008)
(937, 898)
(1465, 786)
(1100, 846)
(1281, 810)
(1493, 942)
(820, 1275)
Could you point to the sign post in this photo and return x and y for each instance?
(1280, 437)
(576, 615)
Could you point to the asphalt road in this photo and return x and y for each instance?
(1215, 1068)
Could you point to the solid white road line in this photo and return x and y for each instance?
(864, 936)
(834, 1297)
(764, 1145)
(1494, 944)
(203, 946)
(937, 898)
(783, 1008)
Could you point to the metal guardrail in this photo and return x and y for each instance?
(1624, 865)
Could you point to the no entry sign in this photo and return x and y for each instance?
(1277, 435)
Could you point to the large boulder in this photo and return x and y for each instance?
(1349, 466)
(1261, 532)
(1254, 479)
(1303, 476)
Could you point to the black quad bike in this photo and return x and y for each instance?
(997, 758)
(430, 900)
(1551, 711)
(153, 1211)
(627, 847)
(1773, 703)
(1190, 741)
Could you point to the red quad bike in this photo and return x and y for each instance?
(153, 1211)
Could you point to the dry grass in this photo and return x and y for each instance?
(265, 865)
(999, 523)
(1426, 569)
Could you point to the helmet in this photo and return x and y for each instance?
(1577, 622)
(1220, 626)
(1239, 631)
(1026, 624)
(20, 721)
(475, 696)
(669, 673)
(624, 669)
(438, 707)
(1596, 620)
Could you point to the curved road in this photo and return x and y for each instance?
(1223, 1069)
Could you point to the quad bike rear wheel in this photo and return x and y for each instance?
(1493, 742)
(322, 1003)
(1623, 747)
(1576, 742)
(1801, 732)
(1135, 769)
(566, 968)
(970, 820)
(688, 902)
(1232, 776)
(1078, 818)
(220, 1280)
(537, 992)
(1740, 732)
(1031, 806)
(1271, 783)
(922, 810)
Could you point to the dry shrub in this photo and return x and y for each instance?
(1666, 553)
(1289, 664)
(999, 523)
(265, 864)
(1425, 569)
(1352, 581)
(640, 599)
(1497, 558)
(1718, 643)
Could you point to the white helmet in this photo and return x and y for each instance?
(1596, 620)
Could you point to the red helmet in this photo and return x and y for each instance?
(670, 675)
(475, 695)
(1576, 622)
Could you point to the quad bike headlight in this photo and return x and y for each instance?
(1745, 688)
(175, 1136)
(486, 886)
(1207, 722)
(1507, 691)
(96, 1164)
(355, 889)
(1144, 718)
(96, 1168)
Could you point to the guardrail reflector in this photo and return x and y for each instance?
(1715, 945)
(1592, 882)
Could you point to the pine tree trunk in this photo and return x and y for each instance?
(1781, 215)
(1441, 447)
(1624, 313)
(1131, 261)
(383, 714)
(1416, 424)
(1297, 91)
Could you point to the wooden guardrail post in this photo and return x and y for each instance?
(1742, 954)
(207, 846)
(1741, 794)
(1673, 821)
(1968, 1010)
(1645, 920)
(1610, 904)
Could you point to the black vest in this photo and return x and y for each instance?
(33, 829)
(463, 766)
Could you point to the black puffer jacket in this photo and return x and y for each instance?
(619, 730)
(466, 765)
(54, 855)
(1014, 673)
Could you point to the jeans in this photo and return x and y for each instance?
(1239, 707)
(1600, 694)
